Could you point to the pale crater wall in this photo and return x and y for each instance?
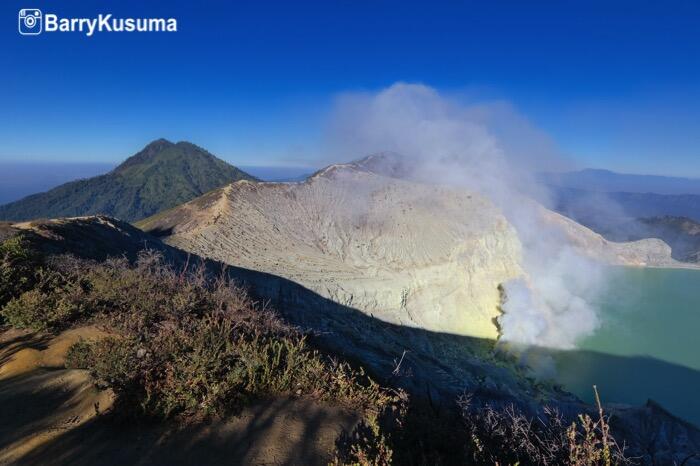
(406, 253)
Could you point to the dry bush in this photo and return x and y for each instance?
(184, 342)
(590, 442)
(366, 445)
(55, 300)
(507, 437)
(18, 264)
(188, 344)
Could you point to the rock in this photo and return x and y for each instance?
(641, 253)
(411, 254)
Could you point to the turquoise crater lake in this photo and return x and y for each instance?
(647, 344)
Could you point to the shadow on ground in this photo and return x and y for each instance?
(434, 367)
(42, 423)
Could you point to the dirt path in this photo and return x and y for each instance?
(51, 415)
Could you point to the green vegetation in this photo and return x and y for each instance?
(182, 345)
(18, 265)
(161, 176)
(187, 346)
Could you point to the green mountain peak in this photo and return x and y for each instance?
(160, 176)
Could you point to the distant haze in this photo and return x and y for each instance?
(607, 181)
(20, 179)
(602, 199)
(279, 173)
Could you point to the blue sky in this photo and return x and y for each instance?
(615, 84)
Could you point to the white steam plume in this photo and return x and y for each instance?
(491, 149)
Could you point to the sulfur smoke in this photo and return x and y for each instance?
(491, 149)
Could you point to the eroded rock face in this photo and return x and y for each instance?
(641, 253)
(411, 254)
(408, 253)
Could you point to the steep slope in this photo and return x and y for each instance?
(408, 253)
(159, 177)
(95, 237)
(55, 413)
(417, 255)
(632, 251)
(635, 216)
(637, 252)
(431, 365)
(681, 233)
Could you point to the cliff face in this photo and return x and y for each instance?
(408, 253)
(411, 254)
(644, 252)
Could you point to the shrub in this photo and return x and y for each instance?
(18, 264)
(365, 446)
(508, 436)
(113, 362)
(191, 345)
(55, 300)
(590, 442)
(208, 367)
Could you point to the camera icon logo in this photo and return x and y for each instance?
(30, 22)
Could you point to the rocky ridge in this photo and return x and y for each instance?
(408, 253)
